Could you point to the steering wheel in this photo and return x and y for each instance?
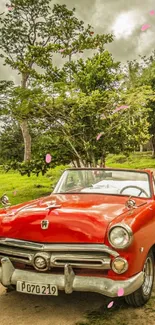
(134, 186)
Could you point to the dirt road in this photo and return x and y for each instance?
(22, 309)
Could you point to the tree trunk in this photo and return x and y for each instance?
(27, 140)
(25, 128)
(153, 146)
(141, 148)
(79, 162)
(102, 164)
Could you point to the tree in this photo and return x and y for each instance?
(31, 34)
(100, 72)
(11, 144)
(5, 92)
(81, 118)
(144, 75)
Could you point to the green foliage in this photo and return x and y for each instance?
(54, 144)
(30, 35)
(5, 93)
(97, 73)
(62, 110)
(142, 74)
(79, 117)
(11, 144)
(36, 167)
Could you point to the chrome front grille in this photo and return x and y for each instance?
(79, 260)
(86, 256)
(16, 254)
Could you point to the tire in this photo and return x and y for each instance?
(141, 296)
(10, 288)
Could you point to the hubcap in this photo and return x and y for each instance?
(148, 276)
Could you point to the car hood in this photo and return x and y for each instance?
(78, 218)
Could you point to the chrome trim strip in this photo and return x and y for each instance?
(69, 281)
(82, 261)
(16, 255)
(58, 247)
(17, 260)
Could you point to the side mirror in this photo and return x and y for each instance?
(5, 200)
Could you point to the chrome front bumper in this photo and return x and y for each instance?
(68, 281)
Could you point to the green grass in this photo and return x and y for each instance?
(23, 188)
(135, 160)
(27, 188)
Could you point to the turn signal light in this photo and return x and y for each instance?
(119, 265)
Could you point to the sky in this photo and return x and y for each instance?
(122, 18)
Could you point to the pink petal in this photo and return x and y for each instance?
(48, 158)
(14, 193)
(121, 107)
(61, 50)
(10, 8)
(145, 27)
(120, 292)
(99, 136)
(56, 212)
(152, 12)
(110, 304)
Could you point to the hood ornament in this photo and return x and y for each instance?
(130, 203)
(53, 205)
(44, 224)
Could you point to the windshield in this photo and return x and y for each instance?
(104, 181)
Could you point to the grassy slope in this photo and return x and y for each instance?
(135, 160)
(26, 187)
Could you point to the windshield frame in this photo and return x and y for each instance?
(105, 169)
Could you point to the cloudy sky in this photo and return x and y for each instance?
(121, 17)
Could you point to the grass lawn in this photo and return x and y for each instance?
(135, 160)
(23, 188)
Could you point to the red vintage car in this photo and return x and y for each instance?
(95, 232)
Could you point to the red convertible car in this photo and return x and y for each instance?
(95, 232)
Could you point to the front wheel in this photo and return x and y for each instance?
(10, 288)
(143, 294)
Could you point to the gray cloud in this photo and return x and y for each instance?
(105, 16)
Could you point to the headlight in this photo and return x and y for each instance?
(120, 236)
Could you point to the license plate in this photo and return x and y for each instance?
(37, 288)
